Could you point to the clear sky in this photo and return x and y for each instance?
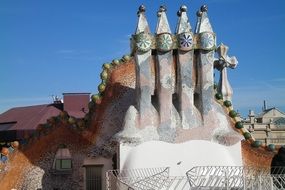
(51, 47)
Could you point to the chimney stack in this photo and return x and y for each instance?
(251, 116)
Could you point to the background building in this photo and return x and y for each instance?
(267, 126)
(20, 122)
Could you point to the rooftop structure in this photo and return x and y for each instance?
(267, 126)
(20, 122)
(17, 123)
(157, 108)
(76, 104)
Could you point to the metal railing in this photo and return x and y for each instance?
(134, 178)
(237, 178)
(201, 177)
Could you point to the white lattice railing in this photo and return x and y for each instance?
(232, 177)
(202, 177)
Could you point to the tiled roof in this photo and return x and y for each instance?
(266, 111)
(28, 118)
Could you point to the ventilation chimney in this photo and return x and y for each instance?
(251, 116)
(56, 99)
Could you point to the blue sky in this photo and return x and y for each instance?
(51, 47)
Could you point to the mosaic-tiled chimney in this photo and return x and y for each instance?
(186, 72)
(175, 95)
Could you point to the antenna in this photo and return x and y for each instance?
(264, 105)
(56, 99)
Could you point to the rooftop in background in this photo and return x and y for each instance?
(271, 115)
(29, 117)
(266, 113)
(20, 120)
(76, 104)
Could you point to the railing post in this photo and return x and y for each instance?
(259, 182)
(244, 179)
(226, 180)
(107, 181)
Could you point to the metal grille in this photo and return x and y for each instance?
(145, 179)
(155, 182)
(135, 177)
(232, 177)
(198, 178)
(93, 177)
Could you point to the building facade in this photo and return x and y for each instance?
(267, 126)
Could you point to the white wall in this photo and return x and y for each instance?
(179, 157)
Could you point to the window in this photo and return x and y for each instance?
(93, 178)
(62, 164)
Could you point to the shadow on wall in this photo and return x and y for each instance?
(32, 164)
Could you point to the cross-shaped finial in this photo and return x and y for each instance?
(224, 59)
(221, 64)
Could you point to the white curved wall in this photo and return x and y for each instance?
(179, 157)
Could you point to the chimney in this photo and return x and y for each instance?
(76, 104)
(251, 116)
(57, 102)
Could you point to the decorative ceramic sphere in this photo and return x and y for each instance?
(239, 125)
(15, 144)
(5, 151)
(142, 8)
(219, 96)
(162, 8)
(232, 113)
(183, 8)
(116, 62)
(104, 75)
(71, 120)
(101, 87)
(95, 97)
(199, 13)
(106, 65)
(247, 135)
(126, 57)
(271, 147)
(179, 13)
(227, 103)
(204, 8)
(256, 144)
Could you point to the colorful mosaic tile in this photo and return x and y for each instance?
(164, 42)
(207, 41)
(143, 42)
(186, 41)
